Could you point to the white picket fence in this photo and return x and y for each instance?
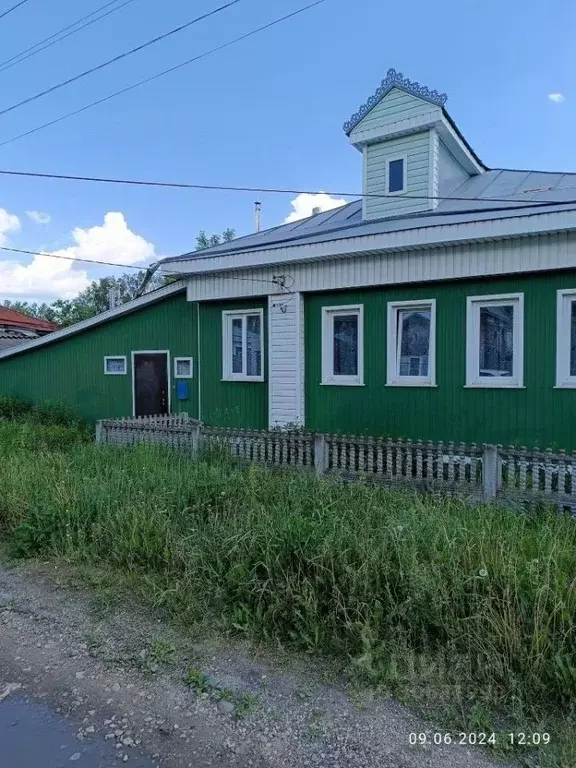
(513, 476)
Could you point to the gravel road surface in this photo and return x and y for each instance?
(82, 687)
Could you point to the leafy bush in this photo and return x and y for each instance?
(14, 408)
(46, 413)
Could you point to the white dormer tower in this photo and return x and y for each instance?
(413, 153)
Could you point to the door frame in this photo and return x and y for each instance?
(133, 354)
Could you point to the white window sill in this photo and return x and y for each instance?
(337, 383)
(566, 385)
(114, 373)
(411, 383)
(499, 385)
(243, 378)
(183, 377)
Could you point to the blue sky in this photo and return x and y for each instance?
(265, 112)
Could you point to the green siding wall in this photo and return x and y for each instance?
(71, 371)
(537, 415)
(229, 403)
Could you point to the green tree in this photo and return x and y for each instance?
(203, 241)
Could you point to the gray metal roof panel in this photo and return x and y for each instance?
(506, 192)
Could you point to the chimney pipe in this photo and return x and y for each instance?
(257, 216)
(112, 298)
(316, 210)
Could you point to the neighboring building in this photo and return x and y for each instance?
(441, 306)
(16, 328)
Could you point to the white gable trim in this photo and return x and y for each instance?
(124, 309)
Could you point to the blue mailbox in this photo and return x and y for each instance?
(182, 390)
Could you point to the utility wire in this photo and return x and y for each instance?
(64, 29)
(13, 8)
(48, 42)
(161, 74)
(119, 57)
(111, 263)
(69, 258)
(285, 190)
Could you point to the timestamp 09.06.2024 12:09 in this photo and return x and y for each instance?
(512, 739)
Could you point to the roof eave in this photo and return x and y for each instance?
(103, 317)
(533, 221)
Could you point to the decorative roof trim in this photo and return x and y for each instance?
(395, 80)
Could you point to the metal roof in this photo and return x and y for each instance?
(12, 338)
(18, 319)
(502, 192)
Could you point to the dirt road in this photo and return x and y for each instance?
(109, 687)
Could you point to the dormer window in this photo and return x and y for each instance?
(396, 175)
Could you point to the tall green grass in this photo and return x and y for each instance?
(382, 578)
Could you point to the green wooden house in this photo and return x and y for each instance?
(440, 306)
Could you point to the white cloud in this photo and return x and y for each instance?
(557, 98)
(8, 223)
(38, 217)
(112, 241)
(304, 203)
(46, 277)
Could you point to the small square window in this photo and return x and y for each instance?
(342, 345)
(183, 367)
(242, 344)
(114, 366)
(566, 339)
(396, 175)
(495, 341)
(411, 343)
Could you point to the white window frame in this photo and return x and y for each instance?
(227, 317)
(565, 299)
(183, 360)
(393, 377)
(115, 357)
(328, 375)
(473, 306)
(404, 189)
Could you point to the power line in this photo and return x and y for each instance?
(39, 46)
(161, 74)
(13, 8)
(142, 268)
(287, 190)
(119, 57)
(70, 258)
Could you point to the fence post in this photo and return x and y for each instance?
(490, 472)
(98, 431)
(196, 438)
(320, 454)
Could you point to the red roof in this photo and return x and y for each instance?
(13, 318)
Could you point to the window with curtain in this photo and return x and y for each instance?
(495, 341)
(242, 345)
(342, 340)
(411, 343)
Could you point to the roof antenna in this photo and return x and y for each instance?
(257, 216)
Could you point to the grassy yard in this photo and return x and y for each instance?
(465, 612)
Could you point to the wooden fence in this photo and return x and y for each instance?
(513, 475)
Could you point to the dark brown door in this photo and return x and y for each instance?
(150, 383)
